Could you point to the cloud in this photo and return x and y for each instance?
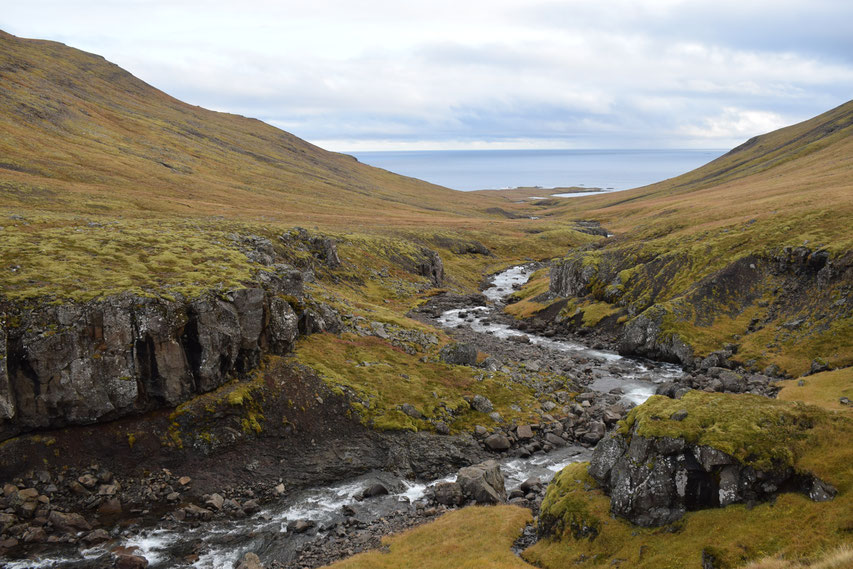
(620, 73)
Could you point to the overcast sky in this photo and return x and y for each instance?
(396, 74)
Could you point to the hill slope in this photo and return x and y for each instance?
(79, 132)
(752, 250)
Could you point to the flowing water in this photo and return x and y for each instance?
(223, 543)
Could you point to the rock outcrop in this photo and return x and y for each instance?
(653, 481)
(481, 483)
(82, 363)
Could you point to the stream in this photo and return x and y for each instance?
(220, 544)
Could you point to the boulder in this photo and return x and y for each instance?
(124, 561)
(449, 494)
(481, 404)
(459, 354)
(524, 432)
(374, 490)
(250, 561)
(483, 483)
(497, 442)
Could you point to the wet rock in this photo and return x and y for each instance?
(96, 536)
(250, 561)
(483, 483)
(215, 501)
(131, 562)
(449, 494)
(374, 490)
(68, 523)
(88, 481)
(300, 526)
(111, 507)
(34, 535)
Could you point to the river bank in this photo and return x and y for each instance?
(308, 526)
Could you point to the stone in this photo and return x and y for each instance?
(278, 490)
(595, 432)
(250, 561)
(300, 526)
(88, 481)
(193, 511)
(449, 494)
(111, 507)
(497, 442)
(459, 354)
(215, 501)
(374, 490)
(483, 483)
(524, 432)
(531, 484)
(68, 523)
(481, 404)
(442, 428)
(410, 410)
(679, 415)
(96, 536)
(34, 535)
(131, 562)
(554, 440)
(184, 480)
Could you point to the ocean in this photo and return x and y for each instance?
(468, 170)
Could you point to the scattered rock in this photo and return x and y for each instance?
(497, 442)
(250, 561)
(483, 483)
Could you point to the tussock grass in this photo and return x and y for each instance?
(840, 558)
(470, 538)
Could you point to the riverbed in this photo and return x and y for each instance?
(271, 534)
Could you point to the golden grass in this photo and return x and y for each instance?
(824, 389)
(471, 538)
(839, 558)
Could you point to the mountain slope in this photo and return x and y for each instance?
(752, 251)
(79, 132)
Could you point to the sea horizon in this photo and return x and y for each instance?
(608, 169)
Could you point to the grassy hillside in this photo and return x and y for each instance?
(730, 253)
(107, 184)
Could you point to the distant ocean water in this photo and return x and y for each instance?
(468, 170)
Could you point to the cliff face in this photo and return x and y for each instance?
(790, 295)
(82, 363)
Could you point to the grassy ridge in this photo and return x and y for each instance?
(708, 247)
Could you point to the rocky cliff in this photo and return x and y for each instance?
(86, 362)
(654, 474)
(77, 363)
(676, 308)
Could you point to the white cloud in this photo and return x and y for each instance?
(602, 74)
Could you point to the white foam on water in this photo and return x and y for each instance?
(152, 544)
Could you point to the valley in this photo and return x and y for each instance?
(218, 340)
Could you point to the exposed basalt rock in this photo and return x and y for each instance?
(571, 277)
(644, 335)
(100, 360)
(432, 267)
(654, 481)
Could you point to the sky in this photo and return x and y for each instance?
(357, 75)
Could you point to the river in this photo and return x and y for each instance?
(220, 544)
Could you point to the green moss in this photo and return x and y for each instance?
(761, 432)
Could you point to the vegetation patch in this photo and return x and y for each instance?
(470, 538)
(384, 381)
(756, 430)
